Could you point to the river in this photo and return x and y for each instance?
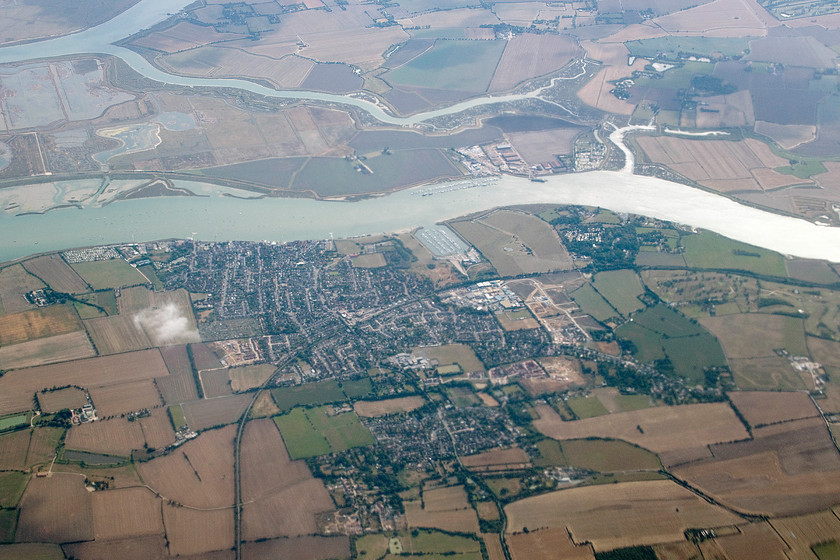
(218, 218)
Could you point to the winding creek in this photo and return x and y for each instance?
(214, 216)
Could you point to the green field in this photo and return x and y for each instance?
(8, 523)
(647, 342)
(551, 454)
(587, 407)
(462, 397)
(592, 303)
(827, 551)
(608, 455)
(12, 485)
(677, 78)
(322, 392)
(14, 421)
(660, 332)
(176, 415)
(315, 431)
(671, 47)
(710, 250)
(115, 273)
(621, 288)
(449, 354)
(453, 65)
(665, 321)
(627, 403)
(301, 438)
(417, 6)
(106, 300)
(429, 542)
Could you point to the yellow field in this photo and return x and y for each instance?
(128, 512)
(660, 429)
(64, 347)
(38, 323)
(619, 515)
(248, 377)
(373, 409)
(546, 544)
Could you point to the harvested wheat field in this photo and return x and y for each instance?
(56, 274)
(445, 499)
(112, 400)
(660, 429)
(129, 512)
(13, 448)
(755, 540)
(60, 348)
(192, 531)
(38, 323)
(136, 548)
(45, 513)
(459, 520)
(763, 407)
(375, 409)
(15, 282)
(497, 458)
(266, 467)
(618, 515)
(117, 334)
(286, 513)
(117, 436)
(546, 544)
(18, 386)
(197, 474)
(518, 62)
(787, 469)
(298, 548)
(53, 401)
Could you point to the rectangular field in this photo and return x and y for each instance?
(621, 288)
(112, 400)
(199, 473)
(18, 386)
(64, 347)
(660, 429)
(449, 354)
(56, 274)
(115, 273)
(15, 283)
(38, 323)
(619, 515)
(373, 409)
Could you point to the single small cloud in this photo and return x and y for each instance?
(166, 325)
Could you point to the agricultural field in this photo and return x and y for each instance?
(518, 62)
(322, 392)
(41, 521)
(56, 274)
(721, 165)
(18, 386)
(193, 531)
(617, 515)
(760, 408)
(621, 288)
(15, 283)
(546, 544)
(593, 304)
(208, 413)
(128, 512)
(53, 401)
(710, 250)
(248, 377)
(753, 360)
(70, 346)
(497, 459)
(515, 243)
(199, 474)
(374, 409)
(449, 354)
(317, 431)
(660, 333)
(659, 429)
(797, 461)
(608, 456)
(39, 323)
(115, 273)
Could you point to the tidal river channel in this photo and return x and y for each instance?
(217, 217)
